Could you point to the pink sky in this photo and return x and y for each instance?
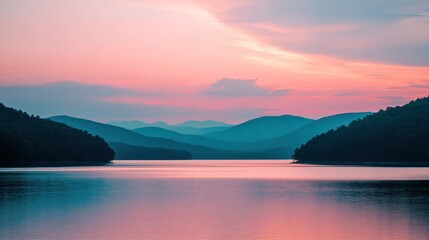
(219, 60)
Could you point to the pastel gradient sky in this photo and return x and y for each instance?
(214, 59)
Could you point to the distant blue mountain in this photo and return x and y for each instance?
(197, 131)
(261, 128)
(261, 138)
(121, 135)
(124, 136)
(137, 124)
(189, 127)
(130, 152)
(203, 124)
(301, 135)
(191, 139)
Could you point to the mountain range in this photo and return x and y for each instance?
(190, 139)
(269, 137)
(301, 135)
(188, 127)
(261, 128)
(131, 152)
(121, 135)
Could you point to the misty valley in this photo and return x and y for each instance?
(395, 136)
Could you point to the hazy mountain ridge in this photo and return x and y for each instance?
(301, 135)
(160, 143)
(188, 127)
(191, 139)
(197, 131)
(287, 142)
(117, 134)
(121, 135)
(203, 124)
(132, 124)
(131, 152)
(261, 128)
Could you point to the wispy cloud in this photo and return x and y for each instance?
(105, 102)
(395, 100)
(424, 86)
(228, 87)
(393, 31)
(78, 99)
(348, 93)
(418, 85)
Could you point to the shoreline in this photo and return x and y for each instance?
(53, 164)
(314, 163)
(363, 164)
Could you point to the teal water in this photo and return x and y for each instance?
(214, 200)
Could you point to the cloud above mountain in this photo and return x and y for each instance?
(162, 60)
(105, 103)
(228, 87)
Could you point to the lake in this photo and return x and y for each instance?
(225, 200)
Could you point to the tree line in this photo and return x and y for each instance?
(25, 138)
(397, 134)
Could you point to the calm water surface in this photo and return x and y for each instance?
(224, 200)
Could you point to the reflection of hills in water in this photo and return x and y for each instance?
(132, 200)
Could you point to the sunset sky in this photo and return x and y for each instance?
(214, 59)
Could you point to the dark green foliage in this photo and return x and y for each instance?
(399, 134)
(131, 152)
(25, 138)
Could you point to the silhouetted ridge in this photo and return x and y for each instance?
(301, 135)
(203, 124)
(262, 128)
(399, 134)
(30, 139)
(189, 127)
(190, 139)
(121, 135)
(131, 152)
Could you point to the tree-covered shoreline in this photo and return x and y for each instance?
(395, 135)
(30, 140)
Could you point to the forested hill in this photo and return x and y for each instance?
(29, 140)
(399, 134)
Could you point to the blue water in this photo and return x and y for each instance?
(214, 200)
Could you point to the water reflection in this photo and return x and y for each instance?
(133, 202)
